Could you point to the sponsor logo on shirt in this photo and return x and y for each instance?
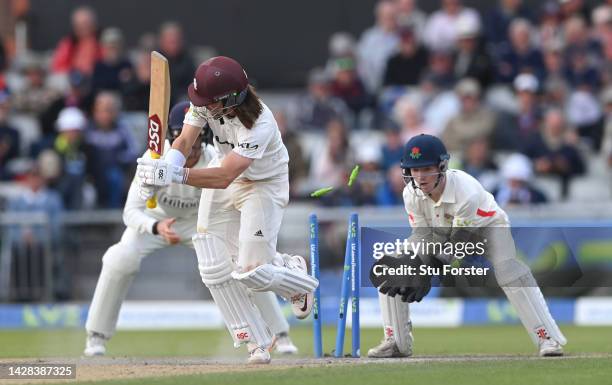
(246, 146)
(226, 142)
(176, 202)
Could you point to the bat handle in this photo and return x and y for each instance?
(152, 202)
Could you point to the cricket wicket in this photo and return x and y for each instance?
(350, 283)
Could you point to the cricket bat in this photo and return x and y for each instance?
(159, 105)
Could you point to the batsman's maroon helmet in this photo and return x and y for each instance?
(219, 79)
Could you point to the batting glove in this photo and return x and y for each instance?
(158, 172)
(146, 191)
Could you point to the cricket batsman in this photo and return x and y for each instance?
(243, 199)
(172, 222)
(450, 205)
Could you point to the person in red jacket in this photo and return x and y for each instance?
(80, 50)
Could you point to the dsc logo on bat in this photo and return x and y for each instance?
(154, 134)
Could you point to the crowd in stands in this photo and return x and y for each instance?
(518, 93)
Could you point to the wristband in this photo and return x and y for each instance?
(185, 175)
(175, 157)
(154, 229)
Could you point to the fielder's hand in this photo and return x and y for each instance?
(164, 229)
(158, 172)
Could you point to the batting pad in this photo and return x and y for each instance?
(242, 318)
(279, 279)
(528, 301)
(396, 316)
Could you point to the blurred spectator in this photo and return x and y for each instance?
(477, 160)
(497, 22)
(15, 14)
(439, 104)
(440, 69)
(578, 39)
(30, 243)
(584, 112)
(390, 192)
(408, 14)
(407, 114)
(69, 146)
(329, 164)
(113, 69)
(377, 44)
(110, 151)
(35, 96)
(340, 45)
(602, 23)
(406, 66)
(554, 62)
(441, 28)
(136, 90)
(393, 148)
(78, 95)
(606, 147)
(318, 107)
(9, 136)
(298, 167)
(364, 189)
(471, 59)
(474, 121)
(580, 73)
(347, 86)
(182, 67)
(521, 56)
(556, 93)
(513, 130)
(572, 8)
(553, 150)
(550, 31)
(80, 50)
(516, 189)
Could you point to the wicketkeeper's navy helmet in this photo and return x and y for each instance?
(425, 150)
(175, 122)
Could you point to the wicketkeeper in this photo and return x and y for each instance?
(450, 205)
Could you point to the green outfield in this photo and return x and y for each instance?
(474, 355)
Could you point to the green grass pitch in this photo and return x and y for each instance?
(591, 348)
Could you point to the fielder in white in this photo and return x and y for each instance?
(244, 197)
(172, 222)
(445, 204)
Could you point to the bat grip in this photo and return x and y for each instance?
(152, 202)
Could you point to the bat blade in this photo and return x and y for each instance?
(159, 105)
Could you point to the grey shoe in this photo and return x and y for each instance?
(258, 355)
(284, 345)
(95, 345)
(550, 348)
(387, 349)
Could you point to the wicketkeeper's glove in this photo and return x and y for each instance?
(411, 287)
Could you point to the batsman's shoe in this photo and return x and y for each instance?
(550, 348)
(95, 345)
(301, 304)
(387, 349)
(258, 355)
(284, 345)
